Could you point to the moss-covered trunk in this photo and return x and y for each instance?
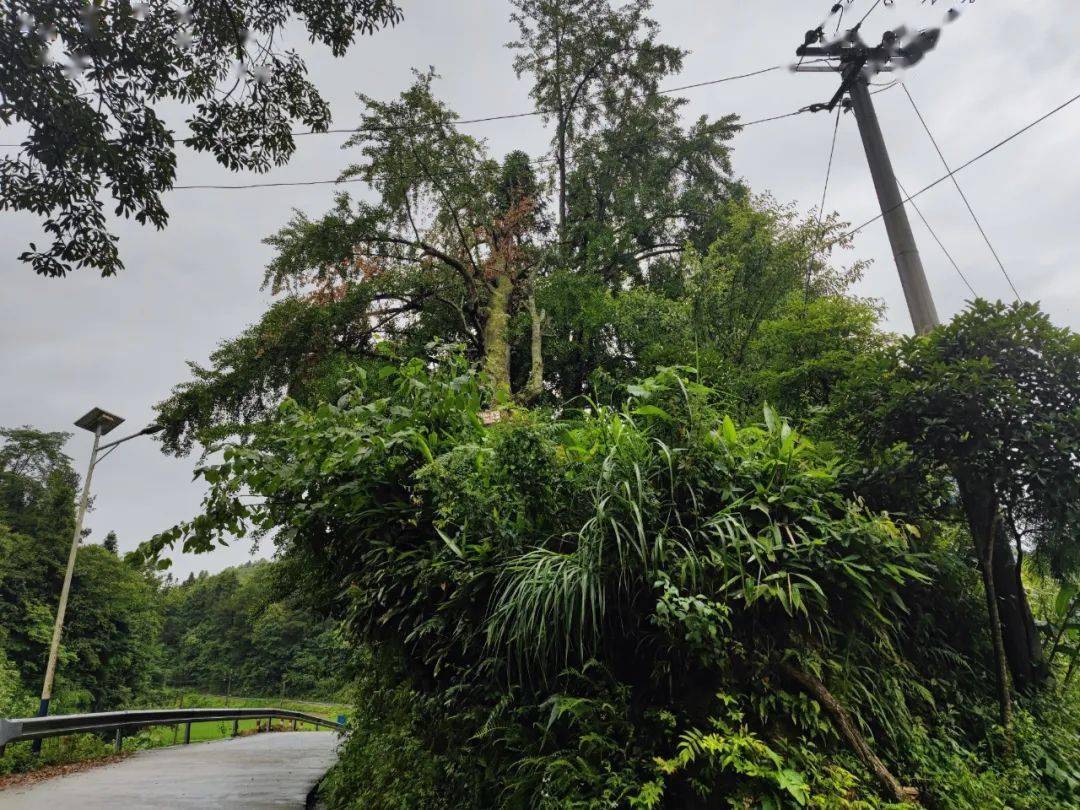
(497, 338)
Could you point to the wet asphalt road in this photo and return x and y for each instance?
(264, 770)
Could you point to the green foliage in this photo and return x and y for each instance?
(588, 59)
(993, 398)
(1064, 625)
(14, 700)
(650, 590)
(442, 250)
(241, 632)
(658, 544)
(593, 608)
(37, 483)
(92, 122)
(798, 357)
(990, 400)
(398, 754)
(109, 653)
(297, 346)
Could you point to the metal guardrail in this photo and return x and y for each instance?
(36, 728)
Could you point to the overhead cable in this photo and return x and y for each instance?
(959, 190)
(944, 177)
(530, 113)
(821, 205)
(937, 239)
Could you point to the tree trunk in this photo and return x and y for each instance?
(497, 339)
(561, 136)
(1023, 647)
(981, 506)
(986, 555)
(850, 732)
(535, 386)
(1020, 639)
(562, 186)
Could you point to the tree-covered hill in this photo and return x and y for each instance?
(231, 633)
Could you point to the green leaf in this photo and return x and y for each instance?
(771, 421)
(731, 436)
(653, 410)
(1064, 599)
(450, 543)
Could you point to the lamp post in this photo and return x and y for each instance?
(99, 422)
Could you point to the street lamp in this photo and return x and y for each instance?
(99, 422)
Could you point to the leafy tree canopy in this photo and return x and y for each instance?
(242, 632)
(85, 78)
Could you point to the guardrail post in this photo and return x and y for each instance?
(187, 733)
(294, 724)
(236, 726)
(119, 742)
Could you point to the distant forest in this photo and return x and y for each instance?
(132, 631)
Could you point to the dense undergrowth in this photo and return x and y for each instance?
(643, 605)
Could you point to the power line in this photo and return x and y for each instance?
(828, 167)
(530, 113)
(858, 25)
(944, 177)
(852, 232)
(538, 161)
(821, 205)
(801, 111)
(963, 196)
(533, 113)
(940, 244)
(213, 186)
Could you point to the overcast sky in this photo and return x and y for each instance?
(122, 343)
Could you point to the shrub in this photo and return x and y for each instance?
(579, 595)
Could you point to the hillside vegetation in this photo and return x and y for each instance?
(621, 494)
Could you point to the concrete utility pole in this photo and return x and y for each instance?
(99, 422)
(857, 62)
(905, 252)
